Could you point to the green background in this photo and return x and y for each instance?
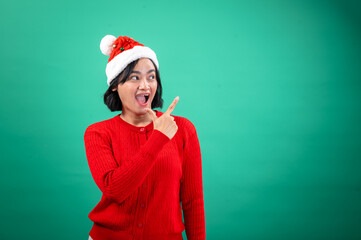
(273, 88)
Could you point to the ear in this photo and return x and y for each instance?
(114, 89)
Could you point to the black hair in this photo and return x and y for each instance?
(111, 98)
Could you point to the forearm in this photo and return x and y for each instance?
(119, 182)
(194, 219)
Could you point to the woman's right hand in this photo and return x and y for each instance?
(165, 123)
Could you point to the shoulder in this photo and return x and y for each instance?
(186, 126)
(184, 122)
(104, 126)
(187, 130)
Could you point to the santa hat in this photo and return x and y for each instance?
(122, 51)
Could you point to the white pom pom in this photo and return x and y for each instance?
(106, 44)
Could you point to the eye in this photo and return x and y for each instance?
(134, 77)
(151, 77)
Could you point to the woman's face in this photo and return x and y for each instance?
(138, 91)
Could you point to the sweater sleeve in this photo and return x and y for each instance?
(119, 182)
(191, 192)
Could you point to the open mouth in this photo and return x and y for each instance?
(142, 98)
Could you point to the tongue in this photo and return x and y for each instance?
(140, 98)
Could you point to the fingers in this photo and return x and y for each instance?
(172, 106)
(151, 114)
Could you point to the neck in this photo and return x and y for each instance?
(135, 119)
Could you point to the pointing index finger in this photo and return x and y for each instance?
(172, 106)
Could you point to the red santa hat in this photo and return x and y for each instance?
(122, 51)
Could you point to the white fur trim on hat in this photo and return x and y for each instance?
(121, 61)
(106, 44)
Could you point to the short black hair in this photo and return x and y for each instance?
(111, 98)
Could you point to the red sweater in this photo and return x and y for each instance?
(144, 177)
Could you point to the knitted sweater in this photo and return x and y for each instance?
(147, 180)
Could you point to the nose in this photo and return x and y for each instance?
(144, 84)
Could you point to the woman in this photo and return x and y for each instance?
(146, 163)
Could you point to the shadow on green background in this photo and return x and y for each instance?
(273, 88)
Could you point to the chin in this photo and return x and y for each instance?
(142, 111)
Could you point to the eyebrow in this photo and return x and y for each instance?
(152, 70)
